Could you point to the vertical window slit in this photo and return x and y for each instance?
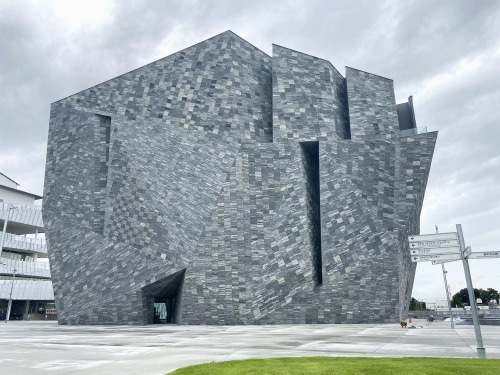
(310, 162)
(103, 139)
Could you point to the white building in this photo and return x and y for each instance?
(438, 304)
(441, 305)
(25, 285)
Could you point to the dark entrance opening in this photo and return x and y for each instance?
(163, 310)
(162, 299)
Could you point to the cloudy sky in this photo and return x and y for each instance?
(444, 53)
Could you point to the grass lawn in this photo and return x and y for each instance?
(347, 365)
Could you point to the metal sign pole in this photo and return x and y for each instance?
(446, 290)
(9, 306)
(481, 351)
(447, 296)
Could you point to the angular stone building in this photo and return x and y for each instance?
(220, 185)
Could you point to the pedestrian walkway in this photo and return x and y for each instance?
(39, 347)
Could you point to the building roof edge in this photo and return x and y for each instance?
(9, 179)
(22, 192)
(155, 61)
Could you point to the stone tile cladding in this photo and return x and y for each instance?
(194, 163)
(309, 98)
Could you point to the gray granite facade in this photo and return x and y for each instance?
(243, 188)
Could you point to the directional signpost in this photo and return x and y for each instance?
(433, 237)
(440, 248)
(481, 351)
(439, 243)
(466, 254)
(434, 262)
(435, 257)
(484, 255)
(433, 244)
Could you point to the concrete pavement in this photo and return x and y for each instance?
(45, 348)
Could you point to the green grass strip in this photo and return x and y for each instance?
(347, 365)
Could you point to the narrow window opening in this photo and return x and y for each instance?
(310, 162)
(103, 139)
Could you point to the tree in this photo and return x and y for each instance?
(462, 297)
(488, 295)
(413, 304)
(416, 305)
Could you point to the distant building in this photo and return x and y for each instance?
(493, 304)
(24, 268)
(436, 304)
(430, 304)
(221, 185)
(441, 304)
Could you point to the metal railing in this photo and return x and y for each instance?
(4, 207)
(414, 131)
(23, 242)
(36, 269)
(21, 213)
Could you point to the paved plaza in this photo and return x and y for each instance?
(47, 348)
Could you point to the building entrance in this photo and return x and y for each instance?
(163, 310)
(163, 298)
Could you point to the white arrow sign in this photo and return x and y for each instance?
(433, 237)
(439, 250)
(433, 244)
(467, 252)
(434, 262)
(484, 255)
(437, 257)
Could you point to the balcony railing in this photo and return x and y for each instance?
(413, 131)
(24, 243)
(21, 213)
(34, 290)
(19, 206)
(35, 269)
